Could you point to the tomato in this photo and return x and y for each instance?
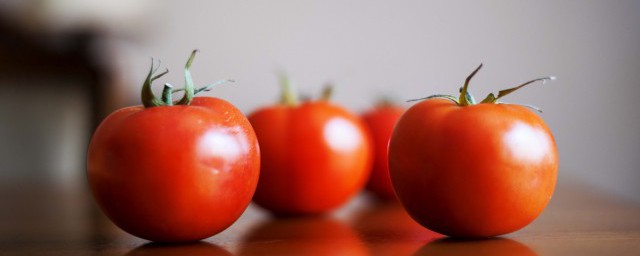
(174, 173)
(473, 170)
(315, 156)
(380, 122)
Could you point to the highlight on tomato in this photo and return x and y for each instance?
(174, 171)
(380, 121)
(315, 154)
(467, 169)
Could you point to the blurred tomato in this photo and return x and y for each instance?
(315, 155)
(380, 122)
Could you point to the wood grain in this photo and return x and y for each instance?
(38, 219)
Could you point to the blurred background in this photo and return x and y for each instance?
(66, 64)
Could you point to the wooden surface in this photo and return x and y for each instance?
(62, 220)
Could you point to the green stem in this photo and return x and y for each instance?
(166, 94)
(189, 90)
(491, 98)
(469, 97)
(327, 92)
(465, 99)
(441, 96)
(289, 97)
(385, 101)
(206, 88)
(148, 98)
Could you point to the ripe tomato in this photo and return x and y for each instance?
(174, 173)
(473, 170)
(380, 122)
(315, 156)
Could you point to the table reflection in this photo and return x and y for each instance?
(388, 229)
(159, 249)
(41, 219)
(302, 236)
(492, 246)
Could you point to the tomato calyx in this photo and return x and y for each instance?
(150, 100)
(491, 98)
(466, 98)
(289, 96)
(385, 101)
(327, 92)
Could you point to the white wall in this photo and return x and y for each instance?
(412, 49)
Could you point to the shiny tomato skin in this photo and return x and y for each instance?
(475, 171)
(315, 156)
(174, 173)
(380, 122)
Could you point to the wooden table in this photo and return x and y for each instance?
(38, 219)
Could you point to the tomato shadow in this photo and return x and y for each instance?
(317, 235)
(166, 249)
(490, 246)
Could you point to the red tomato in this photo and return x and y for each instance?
(174, 173)
(315, 156)
(472, 170)
(380, 122)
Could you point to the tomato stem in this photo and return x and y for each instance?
(189, 89)
(385, 101)
(491, 98)
(148, 98)
(327, 92)
(208, 87)
(442, 96)
(465, 98)
(289, 96)
(166, 94)
(469, 97)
